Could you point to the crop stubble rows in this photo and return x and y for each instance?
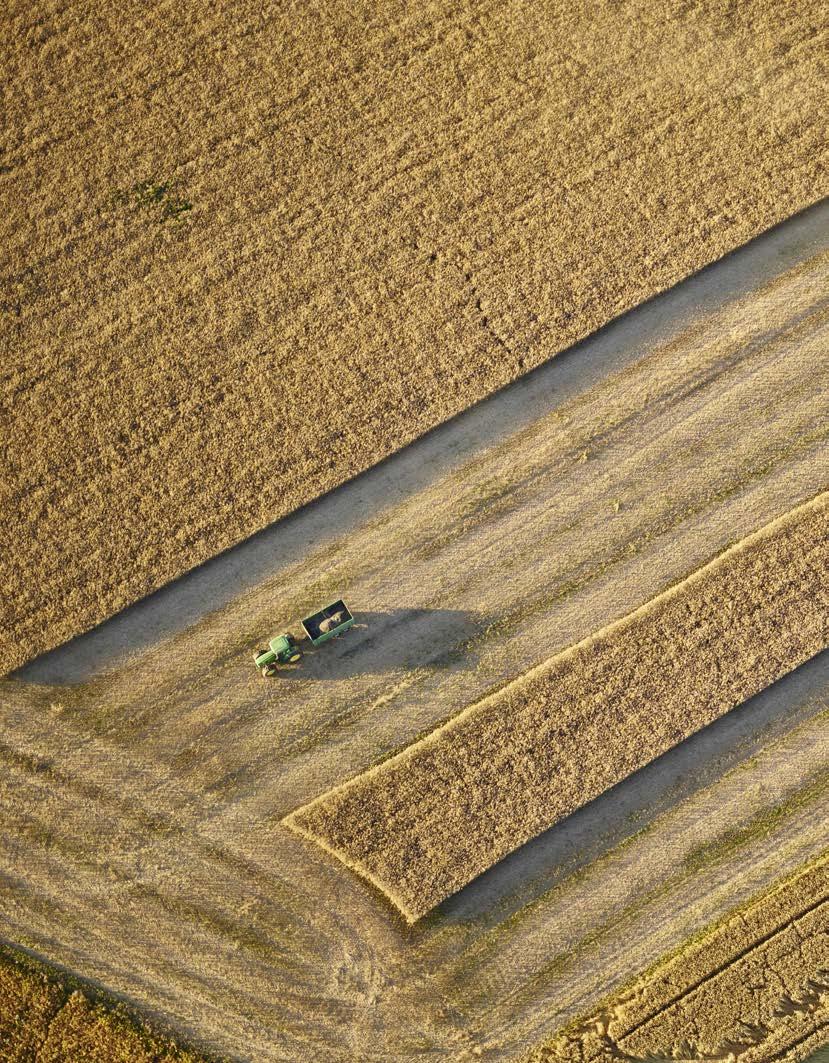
(117, 865)
(425, 823)
(661, 438)
(756, 988)
(394, 212)
(167, 778)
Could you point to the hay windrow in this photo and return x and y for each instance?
(423, 824)
(247, 255)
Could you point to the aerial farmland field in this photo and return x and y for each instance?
(224, 234)
(503, 331)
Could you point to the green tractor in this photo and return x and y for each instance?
(281, 650)
(330, 622)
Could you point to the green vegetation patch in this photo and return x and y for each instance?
(156, 196)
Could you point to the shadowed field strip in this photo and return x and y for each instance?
(247, 254)
(756, 987)
(425, 823)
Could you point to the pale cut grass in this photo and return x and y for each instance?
(423, 824)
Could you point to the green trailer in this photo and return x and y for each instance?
(327, 623)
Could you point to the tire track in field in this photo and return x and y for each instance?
(776, 932)
(186, 734)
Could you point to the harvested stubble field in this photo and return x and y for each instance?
(754, 989)
(425, 823)
(49, 1017)
(246, 256)
(141, 808)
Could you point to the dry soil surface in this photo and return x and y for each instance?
(140, 808)
(249, 252)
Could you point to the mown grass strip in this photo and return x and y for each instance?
(423, 824)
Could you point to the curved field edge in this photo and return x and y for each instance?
(50, 1016)
(371, 227)
(424, 823)
(752, 986)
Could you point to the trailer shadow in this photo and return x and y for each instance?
(391, 641)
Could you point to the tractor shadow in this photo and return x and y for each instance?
(391, 641)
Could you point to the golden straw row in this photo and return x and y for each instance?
(424, 823)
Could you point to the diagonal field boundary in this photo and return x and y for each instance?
(424, 823)
(247, 280)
